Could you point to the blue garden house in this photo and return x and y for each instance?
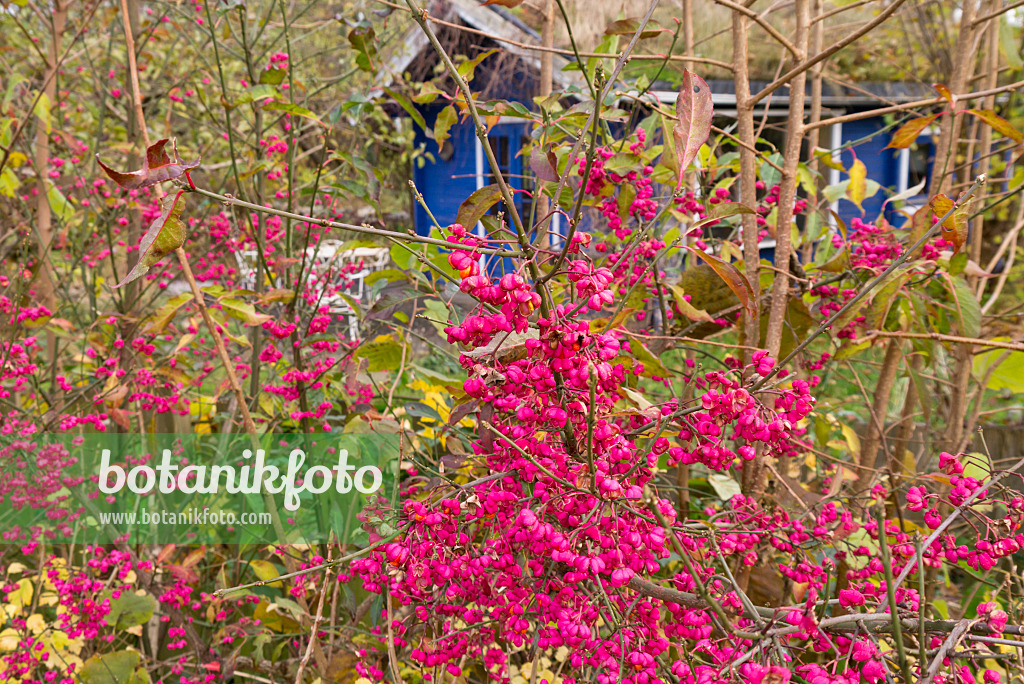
(460, 166)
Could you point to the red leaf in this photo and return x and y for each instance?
(163, 237)
(998, 123)
(156, 168)
(693, 120)
(736, 281)
(908, 132)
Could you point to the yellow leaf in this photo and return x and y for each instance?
(23, 594)
(9, 640)
(852, 440)
(858, 187)
(36, 623)
(266, 570)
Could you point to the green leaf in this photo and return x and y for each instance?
(402, 257)
(256, 93)
(294, 109)
(629, 27)
(923, 397)
(442, 126)
(243, 311)
(391, 275)
(768, 173)
(273, 76)
(384, 353)
(726, 209)
(652, 365)
(361, 38)
(807, 179)
(734, 280)
(467, 69)
(968, 311)
(1009, 44)
(687, 309)
(163, 237)
(60, 205)
(883, 299)
(850, 349)
(1007, 374)
(477, 204)
(42, 110)
(725, 486)
(111, 668)
(9, 182)
(436, 310)
(405, 104)
(129, 609)
(833, 193)
(906, 194)
(165, 314)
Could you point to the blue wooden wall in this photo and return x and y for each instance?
(882, 166)
(446, 184)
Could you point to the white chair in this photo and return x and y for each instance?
(327, 272)
(246, 259)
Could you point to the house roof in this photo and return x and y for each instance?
(491, 20)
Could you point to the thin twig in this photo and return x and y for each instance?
(368, 230)
(317, 619)
(899, 261)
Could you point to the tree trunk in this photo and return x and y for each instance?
(787, 191)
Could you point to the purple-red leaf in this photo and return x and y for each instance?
(163, 237)
(693, 120)
(734, 280)
(544, 165)
(156, 168)
(478, 204)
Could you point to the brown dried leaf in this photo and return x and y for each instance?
(156, 168)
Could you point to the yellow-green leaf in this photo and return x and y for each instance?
(858, 187)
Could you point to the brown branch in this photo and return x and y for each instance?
(822, 56)
(1002, 10)
(51, 74)
(954, 339)
(837, 10)
(914, 105)
(763, 23)
(560, 51)
(883, 392)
